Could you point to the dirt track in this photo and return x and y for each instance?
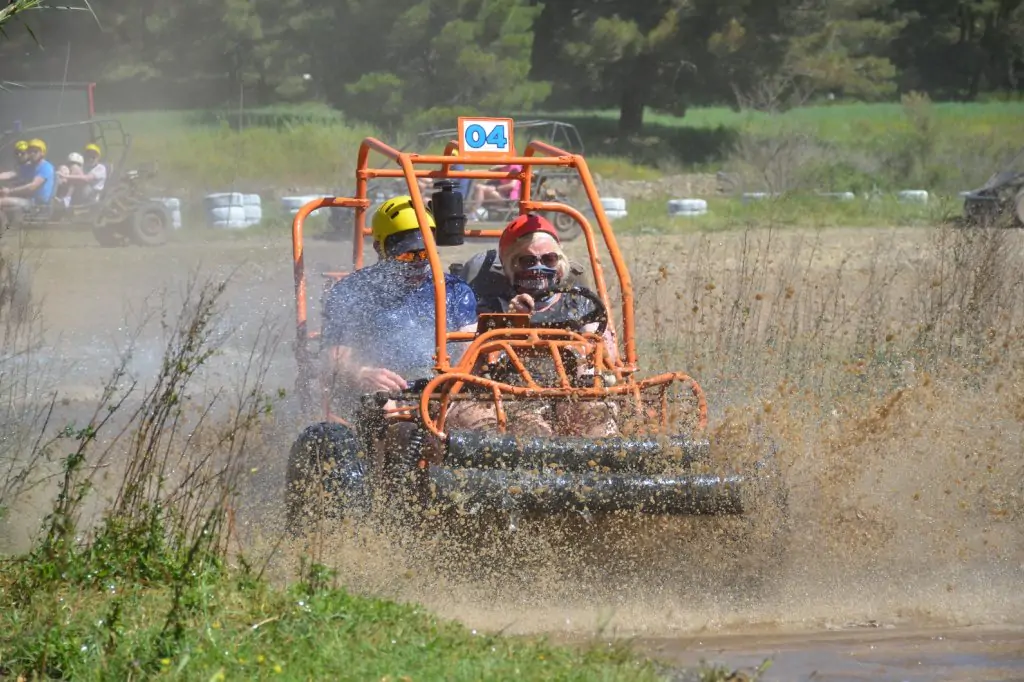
(87, 293)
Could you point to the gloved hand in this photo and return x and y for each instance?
(372, 379)
(521, 303)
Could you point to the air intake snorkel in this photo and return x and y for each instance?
(446, 205)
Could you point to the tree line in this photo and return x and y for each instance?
(402, 62)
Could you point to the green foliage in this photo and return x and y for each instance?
(418, 62)
(436, 61)
(239, 627)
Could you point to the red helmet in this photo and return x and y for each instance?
(524, 225)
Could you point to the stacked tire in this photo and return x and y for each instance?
(233, 210)
(614, 207)
(679, 208)
(293, 204)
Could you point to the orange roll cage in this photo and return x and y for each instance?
(514, 342)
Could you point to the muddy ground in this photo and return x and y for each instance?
(906, 559)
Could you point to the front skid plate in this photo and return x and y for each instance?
(553, 492)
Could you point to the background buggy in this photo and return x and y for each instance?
(123, 214)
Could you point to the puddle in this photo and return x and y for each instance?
(963, 654)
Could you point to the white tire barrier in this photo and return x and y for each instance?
(233, 210)
(754, 196)
(613, 214)
(912, 196)
(224, 199)
(838, 196)
(687, 207)
(227, 213)
(293, 204)
(613, 203)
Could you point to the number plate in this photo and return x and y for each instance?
(486, 136)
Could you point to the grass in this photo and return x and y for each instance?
(239, 628)
(314, 149)
(944, 148)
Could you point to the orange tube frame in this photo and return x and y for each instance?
(536, 154)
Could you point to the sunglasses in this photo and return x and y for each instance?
(549, 260)
(412, 256)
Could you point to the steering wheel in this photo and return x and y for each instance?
(599, 314)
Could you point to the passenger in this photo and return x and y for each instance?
(22, 167)
(37, 191)
(90, 180)
(495, 190)
(379, 321)
(534, 263)
(65, 189)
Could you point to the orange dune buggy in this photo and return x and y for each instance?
(662, 464)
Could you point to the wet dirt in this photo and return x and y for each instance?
(879, 584)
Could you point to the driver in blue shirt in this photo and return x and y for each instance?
(378, 329)
(38, 181)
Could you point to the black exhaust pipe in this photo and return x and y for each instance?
(479, 450)
(548, 492)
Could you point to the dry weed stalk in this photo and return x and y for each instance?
(776, 307)
(180, 463)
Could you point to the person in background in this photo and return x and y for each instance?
(495, 190)
(89, 181)
(22, 167)
(38, 190)
(65, 190)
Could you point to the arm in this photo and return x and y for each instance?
(8, 175)
(37, 181)
(463, 303)
(343, 368)
(344, 371)
(98, 172)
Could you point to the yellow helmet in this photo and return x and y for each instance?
(21, 146)
(38, 144)
(395, 227)
(93, 148)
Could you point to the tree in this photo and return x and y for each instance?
(959, 48)
(776, 54)
(620, 53)
(436, 59)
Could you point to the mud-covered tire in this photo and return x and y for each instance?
(1018, 206)
(151, 225)
(327, 478)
